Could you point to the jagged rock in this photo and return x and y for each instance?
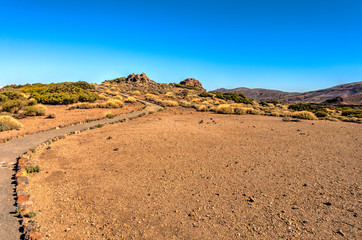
(138, 79)
(193, 83)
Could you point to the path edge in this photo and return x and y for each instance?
(30, 228)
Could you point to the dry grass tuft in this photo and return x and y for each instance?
(200, 107)
(112, 104)
(304, 115)
(36, 110)
(136, 93)
(130, 100)
(9, 123)
(170, 103)
(170, 95)
(224, 108)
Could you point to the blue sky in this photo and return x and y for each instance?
(289, 45)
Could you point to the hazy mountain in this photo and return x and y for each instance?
(350, 93)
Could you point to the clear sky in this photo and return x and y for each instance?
(292, 45)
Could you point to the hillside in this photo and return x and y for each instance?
(341, 94)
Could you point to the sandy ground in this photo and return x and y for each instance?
(190, 175)
(64, 117)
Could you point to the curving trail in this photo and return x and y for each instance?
(10, 151)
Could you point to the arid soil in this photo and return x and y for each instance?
(64, 117)
(181, 174)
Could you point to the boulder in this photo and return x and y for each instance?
(193, 83)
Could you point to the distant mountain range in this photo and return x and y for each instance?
(350, 94)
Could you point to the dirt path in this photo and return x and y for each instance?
(9, 226)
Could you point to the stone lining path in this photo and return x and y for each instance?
(10, 151)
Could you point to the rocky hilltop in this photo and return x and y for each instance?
(139, 79)
(193, 83)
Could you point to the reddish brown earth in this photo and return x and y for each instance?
(180, 174)
(64, 117)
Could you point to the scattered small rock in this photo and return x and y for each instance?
(327, 203)
(49, 147)
(202, 121)
(340, 233)
(251, 199)
(116, 149)
(108, 138)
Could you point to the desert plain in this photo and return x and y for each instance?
(183, 174)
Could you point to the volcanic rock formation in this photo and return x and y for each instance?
(193, 83)
(138, 79)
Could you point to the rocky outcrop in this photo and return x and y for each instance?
(193, 83)
(138, 79)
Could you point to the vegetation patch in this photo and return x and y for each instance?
(304, 115)
(235, 97)
(9, 123)
(32, 169)
(56, 93)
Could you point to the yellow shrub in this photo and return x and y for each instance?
(224, 108)
(185, 104)
(170, 103)
(239, 111)
(130, 100)
(112, 104)
(200, 107)
(136, 93)
(170, 95)
(304, 115)
(9, 123)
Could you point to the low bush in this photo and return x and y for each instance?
(130, 100)
(304, 115)
(111, 104)
(36, 110)
(352, 113)
(136, 93)
(170, 95)
(239, 111)
(307, 107)
(235, 97)
(206, 94)
(321, 114)
(32, 169)
(200, 107)
(9, 123)
(170, 103)
(110, 115)
(224, 108)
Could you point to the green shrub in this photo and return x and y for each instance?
(30, 215)
(32, 102)
(61, 93)
(307, 107)
(352, 113)
(9, 123)
(206, 94)
(12, 106)
(32, 169)
(321, 114)
(235, 97)
(37, 110)
(239, 111)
